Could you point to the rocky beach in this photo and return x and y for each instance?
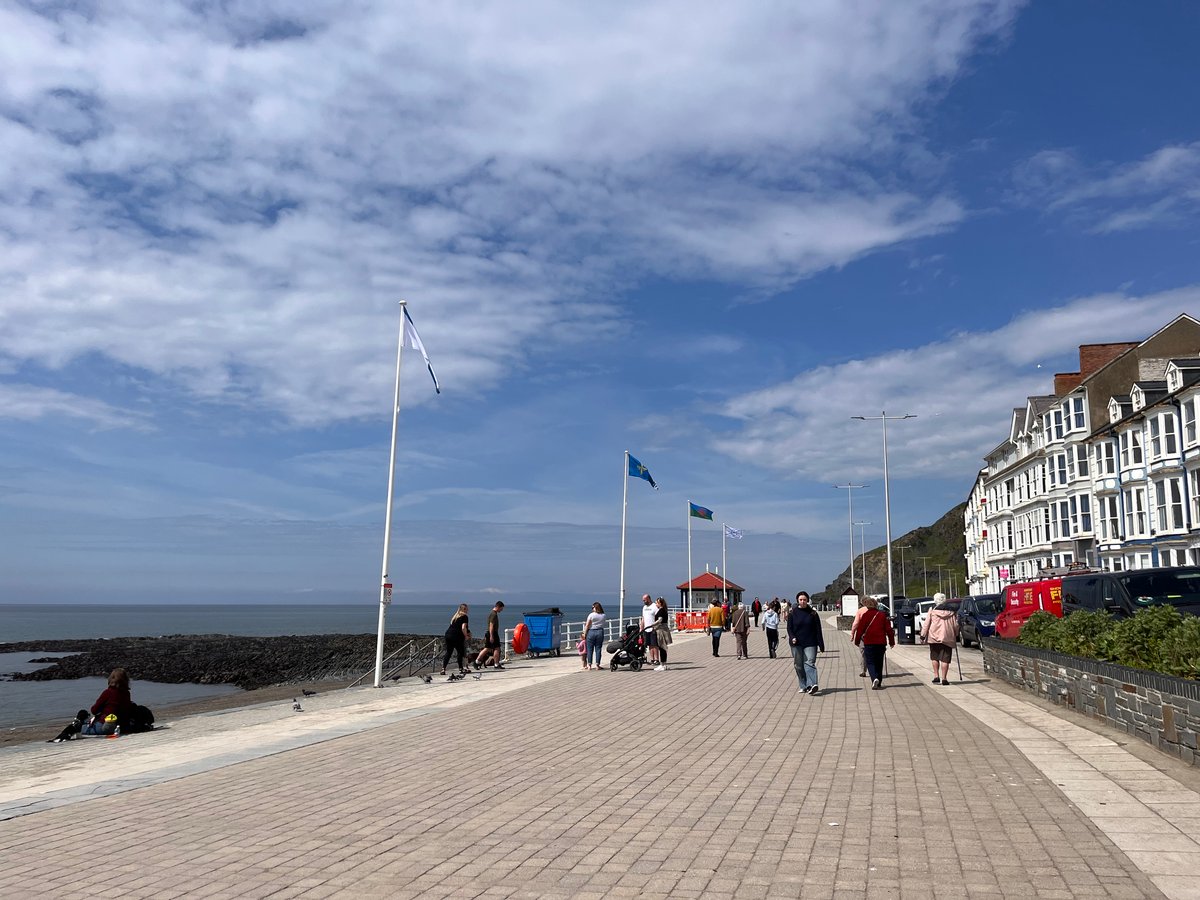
(266, 668)
(247, 662)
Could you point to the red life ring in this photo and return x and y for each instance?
(520, 641)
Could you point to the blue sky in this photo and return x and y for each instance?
(706, 234)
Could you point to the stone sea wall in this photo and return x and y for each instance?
(248, 662)
(1160, 710)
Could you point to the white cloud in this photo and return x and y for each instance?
(241, 221)
(26, 403)
(961, 388)
(1163, 188)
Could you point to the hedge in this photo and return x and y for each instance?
(1159, 639)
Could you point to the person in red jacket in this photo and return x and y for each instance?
(873, 632)
(113, 707)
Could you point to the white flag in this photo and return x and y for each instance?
(733, 533)
(412, 339)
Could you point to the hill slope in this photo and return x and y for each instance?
(942, 545)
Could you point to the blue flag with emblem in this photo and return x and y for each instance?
(637, 470)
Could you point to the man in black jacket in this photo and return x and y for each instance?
(805, 639)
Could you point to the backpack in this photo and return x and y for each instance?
(141, 719)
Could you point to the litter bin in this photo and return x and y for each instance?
(906, 625)
(545, 631)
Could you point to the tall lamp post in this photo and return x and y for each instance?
(925, 571)
(850, 498)
(862, 534)
(887, 501)
(902, 548)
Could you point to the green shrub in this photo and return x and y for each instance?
(1083, 633)
(1180, 649)
(1041, 631)
(1159, 639)
(1137, 641)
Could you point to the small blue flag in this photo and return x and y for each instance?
(637, 470)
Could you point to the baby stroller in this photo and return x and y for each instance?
(629, 650)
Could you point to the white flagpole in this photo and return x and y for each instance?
(624, 508)
(689, 578)
(384, 587)
(724, 574)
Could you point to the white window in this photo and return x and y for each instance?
(1168, 504)
(1008, 531)
(1189, 421)
(1162, 436)
(1135, 448)
(1135, 512)
(1106, 458)
(1076, 421)
(1081, 461)
(1062, 524)
(1194, 482)
(1110, 525)
(1081, 513)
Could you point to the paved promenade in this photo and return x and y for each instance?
(713, 779)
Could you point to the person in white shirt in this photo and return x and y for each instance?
(648, 634)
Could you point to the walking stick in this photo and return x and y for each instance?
(959, 661)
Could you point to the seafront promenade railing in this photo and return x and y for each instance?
(573, 631)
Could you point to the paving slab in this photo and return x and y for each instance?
(714, 778)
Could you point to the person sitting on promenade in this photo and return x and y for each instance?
(648, 632)
(716, 624)
(940, 629)
(593, 630)
(493, 642)
(457, 636)
(739, 624)
(873, 633)
(112, 709)
(771, 627)
(806, 640)
(662, 632)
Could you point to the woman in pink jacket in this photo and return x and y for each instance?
(941, 631)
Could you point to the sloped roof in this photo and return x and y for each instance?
(709, 582)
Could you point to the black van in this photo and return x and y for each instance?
(1124, 593)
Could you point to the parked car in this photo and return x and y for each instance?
(977, 617)
(921, 606)
(1124, 593)
(1121, 594)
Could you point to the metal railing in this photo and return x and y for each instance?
(573, 631)
(409, 658)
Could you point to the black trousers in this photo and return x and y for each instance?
(772, 641)
(455, 645)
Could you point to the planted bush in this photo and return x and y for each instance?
(1137, 641)
(1159, 639)
(1180, 649)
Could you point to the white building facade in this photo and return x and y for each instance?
(1105, 471)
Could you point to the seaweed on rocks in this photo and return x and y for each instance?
(248, 662)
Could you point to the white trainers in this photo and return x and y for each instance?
(660, 668)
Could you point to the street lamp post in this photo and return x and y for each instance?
(887, 501)
(850, 498)
(862, 534)
(902, 548)
(925, 571)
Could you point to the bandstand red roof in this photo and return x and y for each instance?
(709, 582)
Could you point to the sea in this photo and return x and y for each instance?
(28, 702)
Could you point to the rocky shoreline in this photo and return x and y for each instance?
(247, 662)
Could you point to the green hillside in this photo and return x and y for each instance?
(942, 545)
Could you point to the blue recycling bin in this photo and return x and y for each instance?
(545, 631)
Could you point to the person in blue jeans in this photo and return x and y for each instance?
(805, 640)
(593, 632)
